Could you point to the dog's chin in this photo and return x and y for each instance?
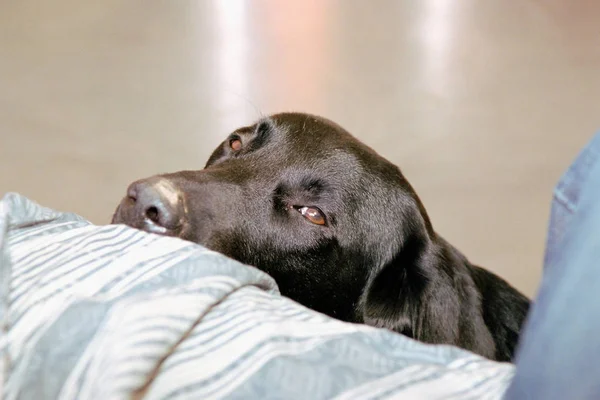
(116, 218)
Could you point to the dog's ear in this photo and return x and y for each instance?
(395, 291)
(412, 293)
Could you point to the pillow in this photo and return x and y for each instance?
(112, 312)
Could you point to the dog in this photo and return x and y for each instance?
(338, 227)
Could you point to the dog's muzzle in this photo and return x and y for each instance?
(154, 205)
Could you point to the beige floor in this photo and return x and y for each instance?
(482, 104)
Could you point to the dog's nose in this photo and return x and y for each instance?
(158, 203)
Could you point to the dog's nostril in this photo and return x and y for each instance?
(132, 192)
(155, 205)
(152, 214)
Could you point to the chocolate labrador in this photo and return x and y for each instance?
(338, 227)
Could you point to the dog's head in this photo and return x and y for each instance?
(300, 198)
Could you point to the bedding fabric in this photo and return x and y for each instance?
(109, 312)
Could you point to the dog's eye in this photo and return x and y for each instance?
(235, 144)
(313, 214)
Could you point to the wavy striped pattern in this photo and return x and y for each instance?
(109, 312)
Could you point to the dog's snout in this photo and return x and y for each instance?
(157, 204)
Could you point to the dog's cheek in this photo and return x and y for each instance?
(228, 244)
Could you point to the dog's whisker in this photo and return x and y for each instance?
(248, 101)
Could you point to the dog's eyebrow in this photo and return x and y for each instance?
(313, 185)
(266, 120)
(262, 132)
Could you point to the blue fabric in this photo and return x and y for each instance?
(560, 348)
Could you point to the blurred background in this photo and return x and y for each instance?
(481, 103)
